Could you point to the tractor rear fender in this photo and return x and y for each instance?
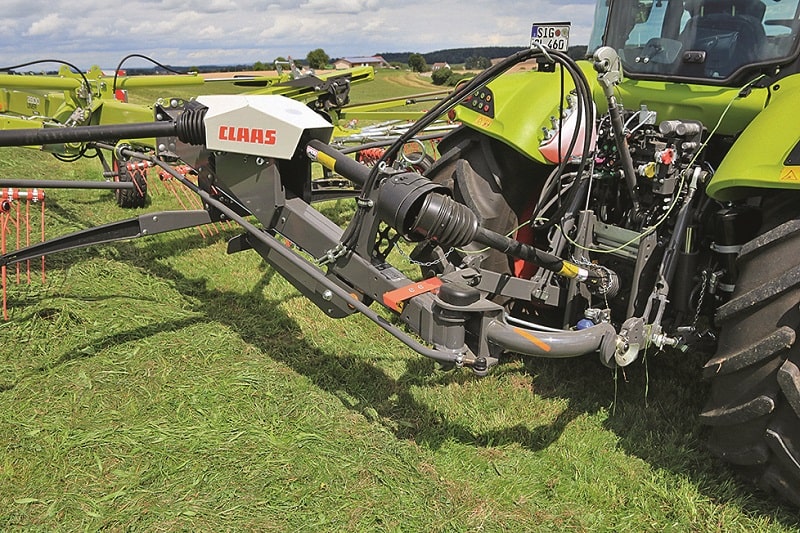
(517, 107)
(767, 153)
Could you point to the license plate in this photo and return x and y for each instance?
(553, 35)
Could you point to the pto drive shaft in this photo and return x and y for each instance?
(421, 209)
(188, 128)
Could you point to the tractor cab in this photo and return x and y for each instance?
(711, 42)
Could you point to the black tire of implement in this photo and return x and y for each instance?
(754, 406)
(130, 198)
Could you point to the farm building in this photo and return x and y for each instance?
(371, 61)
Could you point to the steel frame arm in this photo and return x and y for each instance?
(149, 224)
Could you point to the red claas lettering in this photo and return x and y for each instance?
(247, 135)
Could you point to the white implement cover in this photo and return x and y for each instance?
(262, 125)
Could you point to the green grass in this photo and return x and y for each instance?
(391, 84)
(162, 385)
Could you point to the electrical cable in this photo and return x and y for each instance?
(60, 62)
(129, 56)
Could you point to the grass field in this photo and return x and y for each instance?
(162, 385)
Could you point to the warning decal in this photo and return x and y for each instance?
(790, 174)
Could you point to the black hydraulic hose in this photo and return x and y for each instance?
(38, 61)
(129, 56)
(350, 234)
(585, 105)
(455, 97)
(585, 102)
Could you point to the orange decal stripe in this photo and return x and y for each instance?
(533, 338)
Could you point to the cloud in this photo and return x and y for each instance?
(349, 7)
(245, 31)
(49, 25)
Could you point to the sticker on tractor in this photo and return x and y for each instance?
(789, 174)
(552, 35)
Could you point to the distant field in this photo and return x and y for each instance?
(163, 385)
(387, 84)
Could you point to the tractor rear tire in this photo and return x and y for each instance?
(754, 406)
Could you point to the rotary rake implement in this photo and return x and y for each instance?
(253, 156)
(22, 218)
(73, 98)
(56, 108)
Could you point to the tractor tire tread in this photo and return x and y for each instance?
(769, 238)
(759, 296)
(769, 346)
(789, 381)
(739, 412)
(753, 408)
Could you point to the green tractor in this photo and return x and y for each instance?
(687, 189)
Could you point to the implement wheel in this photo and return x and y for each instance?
(754, 408)
(130, 198)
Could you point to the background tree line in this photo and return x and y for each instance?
(318, 59)
(458, 56)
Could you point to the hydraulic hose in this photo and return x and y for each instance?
(584, 94)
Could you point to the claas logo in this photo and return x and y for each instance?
(247, 135)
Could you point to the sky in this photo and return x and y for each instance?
(231, 32)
